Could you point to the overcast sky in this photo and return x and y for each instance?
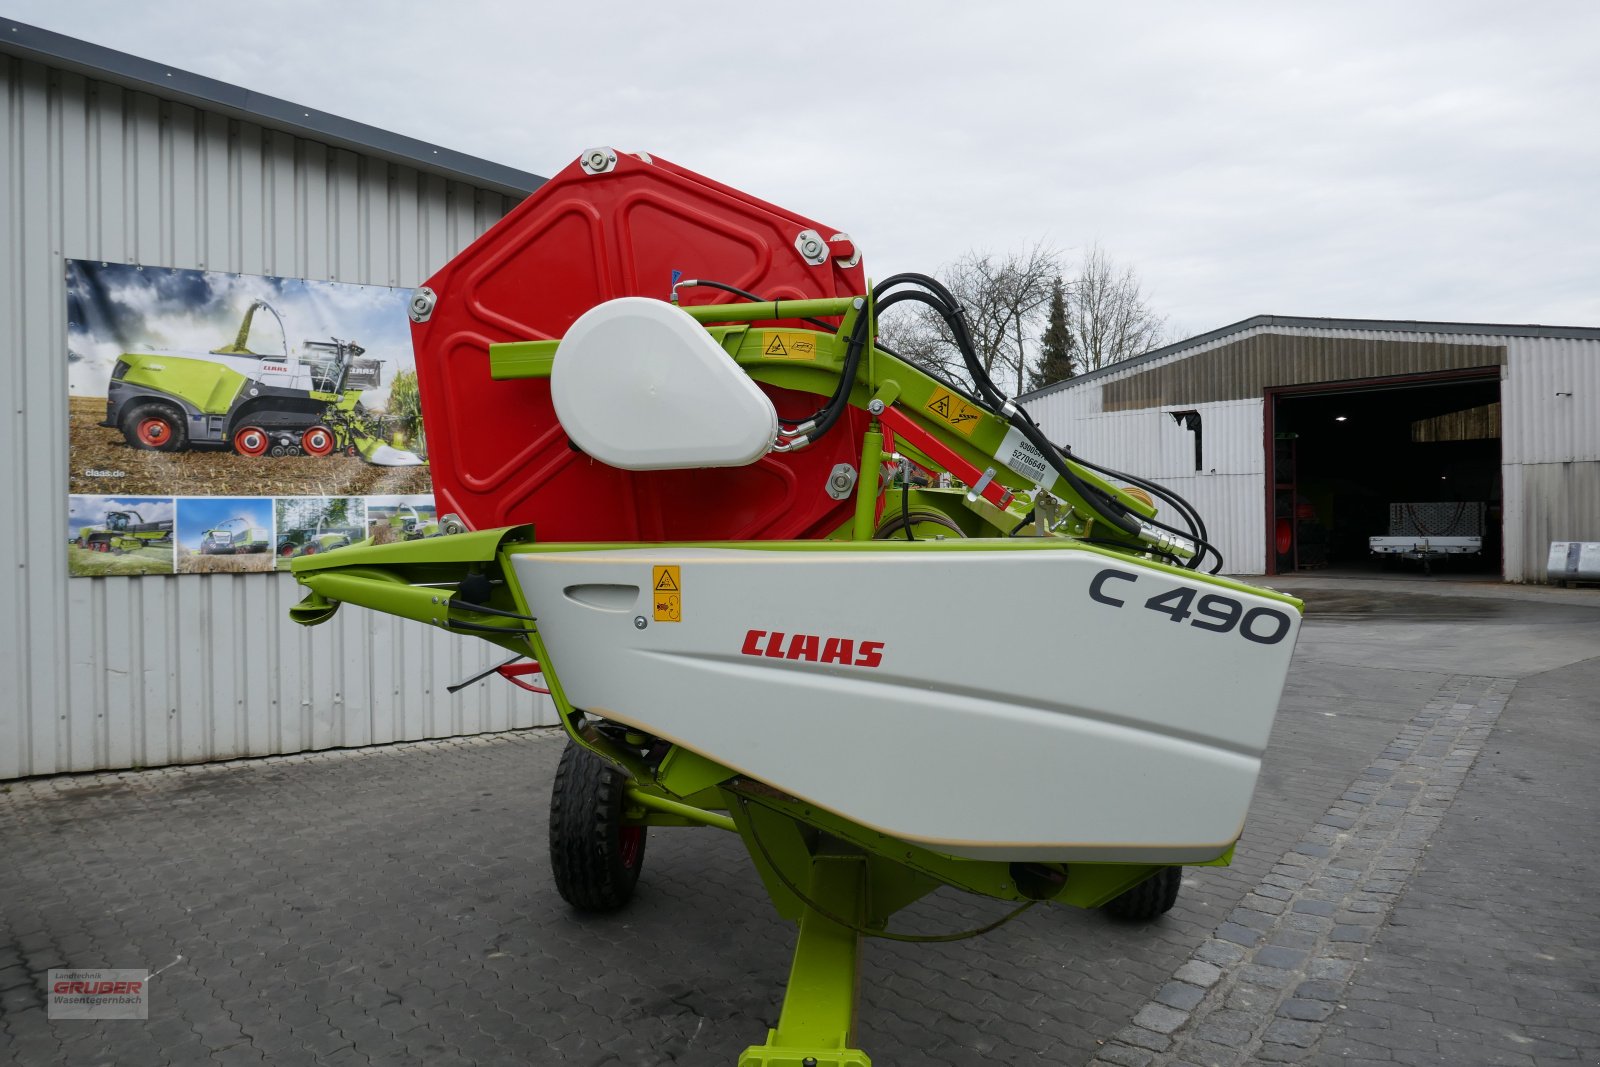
(1424, 160)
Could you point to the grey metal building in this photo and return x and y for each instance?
(113, 158)
(1293, 436)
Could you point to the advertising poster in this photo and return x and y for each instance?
(228, 422)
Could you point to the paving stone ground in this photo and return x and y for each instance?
(394, 905)
(1492, 956)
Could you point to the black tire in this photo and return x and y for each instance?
(1150, 899)
(595, 858)
(155, 427)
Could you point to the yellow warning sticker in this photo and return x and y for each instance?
(790, 346)
(667, 594)
(953, 411)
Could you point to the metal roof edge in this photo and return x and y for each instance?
(185, 87)
(1489, 329)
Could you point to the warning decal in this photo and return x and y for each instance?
(790, 346)
(667, 594)
(953, 411)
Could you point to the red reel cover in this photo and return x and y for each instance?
(498, 455)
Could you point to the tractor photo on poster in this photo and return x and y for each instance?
(199, 383)
(311, 525)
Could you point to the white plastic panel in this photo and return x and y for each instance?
(640, 385)
(988, 704)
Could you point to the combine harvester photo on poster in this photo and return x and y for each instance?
(125, 531)
(677, 476)
(258, 405)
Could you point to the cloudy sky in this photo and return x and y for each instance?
(1425, 160)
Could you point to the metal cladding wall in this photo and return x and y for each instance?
(1550, 417)
(1550, 449)
(1228, 490)
(123, 672)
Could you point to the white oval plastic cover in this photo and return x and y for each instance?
(640, 385)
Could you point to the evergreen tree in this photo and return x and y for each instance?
(1057, 350)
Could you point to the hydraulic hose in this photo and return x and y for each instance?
(932, 293)
(941, 300)
(844, 385)
(1110, 509)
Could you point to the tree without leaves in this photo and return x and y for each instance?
(1057, 347)
(1107, 313)
(917, 335)
(1003, 298)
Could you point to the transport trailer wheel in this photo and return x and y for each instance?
(317, 441)
(595, 858)
(251, 441)
(1150, 899)
(155, 427)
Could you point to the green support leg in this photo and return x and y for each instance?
(817, 1026)
(866, 513)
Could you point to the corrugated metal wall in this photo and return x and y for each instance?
(1247, 367)
(1550, 451)
(1230, 488)
(121, 672)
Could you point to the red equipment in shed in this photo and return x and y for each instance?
(614, 224)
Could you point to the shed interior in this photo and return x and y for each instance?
(1347, 460)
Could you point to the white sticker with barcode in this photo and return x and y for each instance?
(1019, 454)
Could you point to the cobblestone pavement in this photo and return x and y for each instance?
(393, 906)
(1493, 954)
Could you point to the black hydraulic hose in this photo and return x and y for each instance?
(934, 294)
(815, 322)
(1182, 506)
(905, 504)
(933, 372)
(754, 298)
(1191, 514)
(950, 309)
(1109, 509)
(829, 413)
